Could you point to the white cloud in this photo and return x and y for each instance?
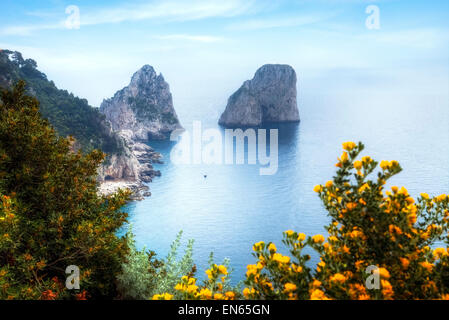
(27, 30)
(280, 22)
(175, 10)
(187, 37)
(161, 11)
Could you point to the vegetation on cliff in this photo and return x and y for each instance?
(68, 114)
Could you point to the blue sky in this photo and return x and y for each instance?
(210, 47)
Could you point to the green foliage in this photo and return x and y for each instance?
(143, 276)
(138, 278)
(68, 114)
(173, 269)
(51, 215)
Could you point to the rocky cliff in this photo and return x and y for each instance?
(130, 169)
(269, 97)
(144, 107)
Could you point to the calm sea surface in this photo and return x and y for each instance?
(235, 207)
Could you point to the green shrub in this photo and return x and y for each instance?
(51, 215)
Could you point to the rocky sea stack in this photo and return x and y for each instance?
(144, 108)
(269, 97)
(138, 113)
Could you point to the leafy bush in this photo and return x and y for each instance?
(51, 215)
(137, 280)
(144, 276)
(173, 269)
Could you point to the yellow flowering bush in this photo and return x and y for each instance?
(374, 234)
(213, 288)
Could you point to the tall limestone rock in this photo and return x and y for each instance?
(269, 97)
(144, 107)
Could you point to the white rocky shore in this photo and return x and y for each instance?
(139, 190)
(132, 170)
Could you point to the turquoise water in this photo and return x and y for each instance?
(235, 207)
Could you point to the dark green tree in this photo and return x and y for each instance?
(51, 215)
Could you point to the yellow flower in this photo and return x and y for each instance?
(289, 233)
(222, 269)
(384, 164)
(359, 264)
(425, 196)
(355, 234)
(297, 269)
(317, 188)
(403, 191)
(410, 200)
(404, 262)
(257, 246)
(387, 289)
(301, 237)
(383, 273)
(280, 258)
(394, 189)
(351, 205)
(393, 163)
(318, 238)
(427, 265)
(318, 294)
(230, 295)
(209, 273)
(329, 184)
(206, 293)
(272, 247)
(348, 146)
(364, 187)
(179, 287)
(321, 265)
(290, 287)
(358, 165)
(252, 269)
(316, 283)
(247, 292)
(192, 288)
(367, 159)
(338, 277)
(165, 296)
(218, 296)
(344, 157)
(440, 252)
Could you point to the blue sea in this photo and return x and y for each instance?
(235, 207)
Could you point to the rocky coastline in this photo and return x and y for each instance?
(141, 111)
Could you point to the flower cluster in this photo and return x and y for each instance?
(212, 288)
(386, 231)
